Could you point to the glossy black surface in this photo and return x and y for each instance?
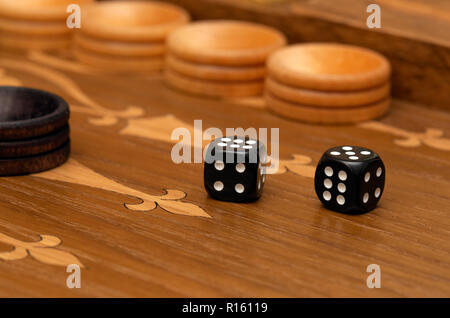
(240, 168)
(350, 180)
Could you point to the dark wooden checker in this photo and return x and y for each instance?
(140, 225)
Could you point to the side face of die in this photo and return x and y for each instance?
(233, 169)
(371, 184)
(350, 179)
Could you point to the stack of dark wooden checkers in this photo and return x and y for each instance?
(220, 58)
(125, 36)
(34, 131)
(35, 25)
(328, 83)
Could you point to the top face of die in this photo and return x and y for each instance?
(236, 144)
(241, 149)
(351, 154)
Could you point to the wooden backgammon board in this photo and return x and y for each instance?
(140, 225)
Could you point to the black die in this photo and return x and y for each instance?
(350, 179)
(233, 169)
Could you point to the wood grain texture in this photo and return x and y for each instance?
(215, 72)
(326, 115)
(327, 99)
(34, 146)
(36, 163)
(149, 21)
(415, 35)
(14, 41)
(213, 88)
(329, 67)
(225, 42)
(128, 49)
(118, 63)
(33, 27)
(285, 244)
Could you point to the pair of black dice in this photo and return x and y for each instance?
(350, 179)
(234, 169)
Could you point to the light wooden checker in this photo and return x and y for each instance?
(213, 88)
(327, 99)
(33, 27)
(111, 47)
(215, 72)
(118, 64)
(322, 115)
(133, 21)
(225, 42)
(39, 10)
(329, 67)
(33, 42)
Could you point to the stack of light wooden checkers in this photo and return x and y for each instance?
(220, 58)
(328, 83)
(31, 24)
(127, 36)
(35, 25)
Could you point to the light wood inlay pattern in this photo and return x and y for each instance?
(42, 251)
(432, 137)
(75, 172)
(300, 165)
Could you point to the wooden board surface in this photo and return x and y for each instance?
(107, 208)
(414, 34)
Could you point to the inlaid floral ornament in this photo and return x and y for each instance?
(156, 128)
(102, 116)
(77, 173)
(161, 128)
(300, 165)
(72, 65)
(61, 63)
(431, 137)
(44, 251)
